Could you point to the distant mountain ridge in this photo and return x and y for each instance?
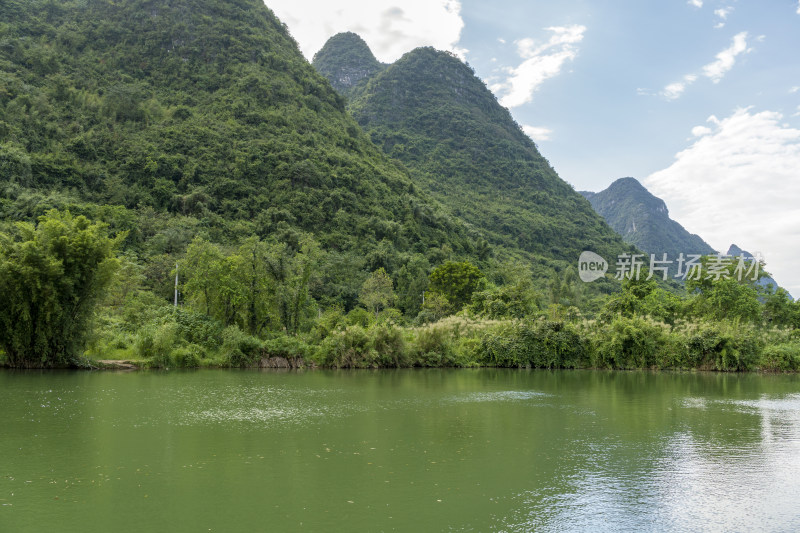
(767, 282)
(643, 220)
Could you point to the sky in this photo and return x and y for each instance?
(697, 99)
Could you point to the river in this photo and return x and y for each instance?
(398, 450)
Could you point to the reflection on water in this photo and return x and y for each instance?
(743, 478)
(498, 396)
(439, 450)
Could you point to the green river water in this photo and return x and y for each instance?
(398, 450)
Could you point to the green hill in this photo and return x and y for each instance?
(347, 62)
(198, 117)
(214, 161)
(643, 220)
(429, 111)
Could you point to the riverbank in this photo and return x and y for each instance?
(624, 343)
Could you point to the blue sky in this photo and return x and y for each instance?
(698, 99)
(606, 110)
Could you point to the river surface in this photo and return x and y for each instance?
(398, 450)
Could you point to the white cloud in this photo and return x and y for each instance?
(696, 3)
(794, 89)
(541, 62)
(389, 28)
(798, 8)
(699, 131)
(537, 133)
(675, 90)
(501, 40)
(716, 70)
(737, 183)
(722, 13)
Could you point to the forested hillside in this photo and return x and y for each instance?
(199, 118)
(431, 112)
(180, 187)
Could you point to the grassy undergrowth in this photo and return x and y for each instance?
(163, 337)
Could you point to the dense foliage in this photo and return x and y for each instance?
(51, 276)
(456, 282)
(431, 112)
(143, 141)
(198, 117)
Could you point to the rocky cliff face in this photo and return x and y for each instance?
(346, 61)
(643, 220)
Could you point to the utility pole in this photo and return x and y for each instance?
(176, 285)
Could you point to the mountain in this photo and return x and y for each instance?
(429, 111)
(346, 61)
(197, 117)
(767, 282)
(643, 220)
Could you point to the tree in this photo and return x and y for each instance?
(566, 288)
(641, 296)
(456, 282)
(292, 273)
(779, 309)
(256, 311)
(720, 294)
(412, 281)
(730, 299)
(377, 291)
(201, 268)
(52, 276)
(514, 296)
(434, 308)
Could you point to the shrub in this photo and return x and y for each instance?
(156, 342)
(291, 348)
(360, 317)
(350, 348)
(144, 308)
(629, 342)
(390, 346)
(433, 346)
(781, 357)
(390, 316)
(452, 341)
(466, 351)
(725, 346)
(188, 356)
(331, 320)
(239, 348)
(538, 344)
(197, 328)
